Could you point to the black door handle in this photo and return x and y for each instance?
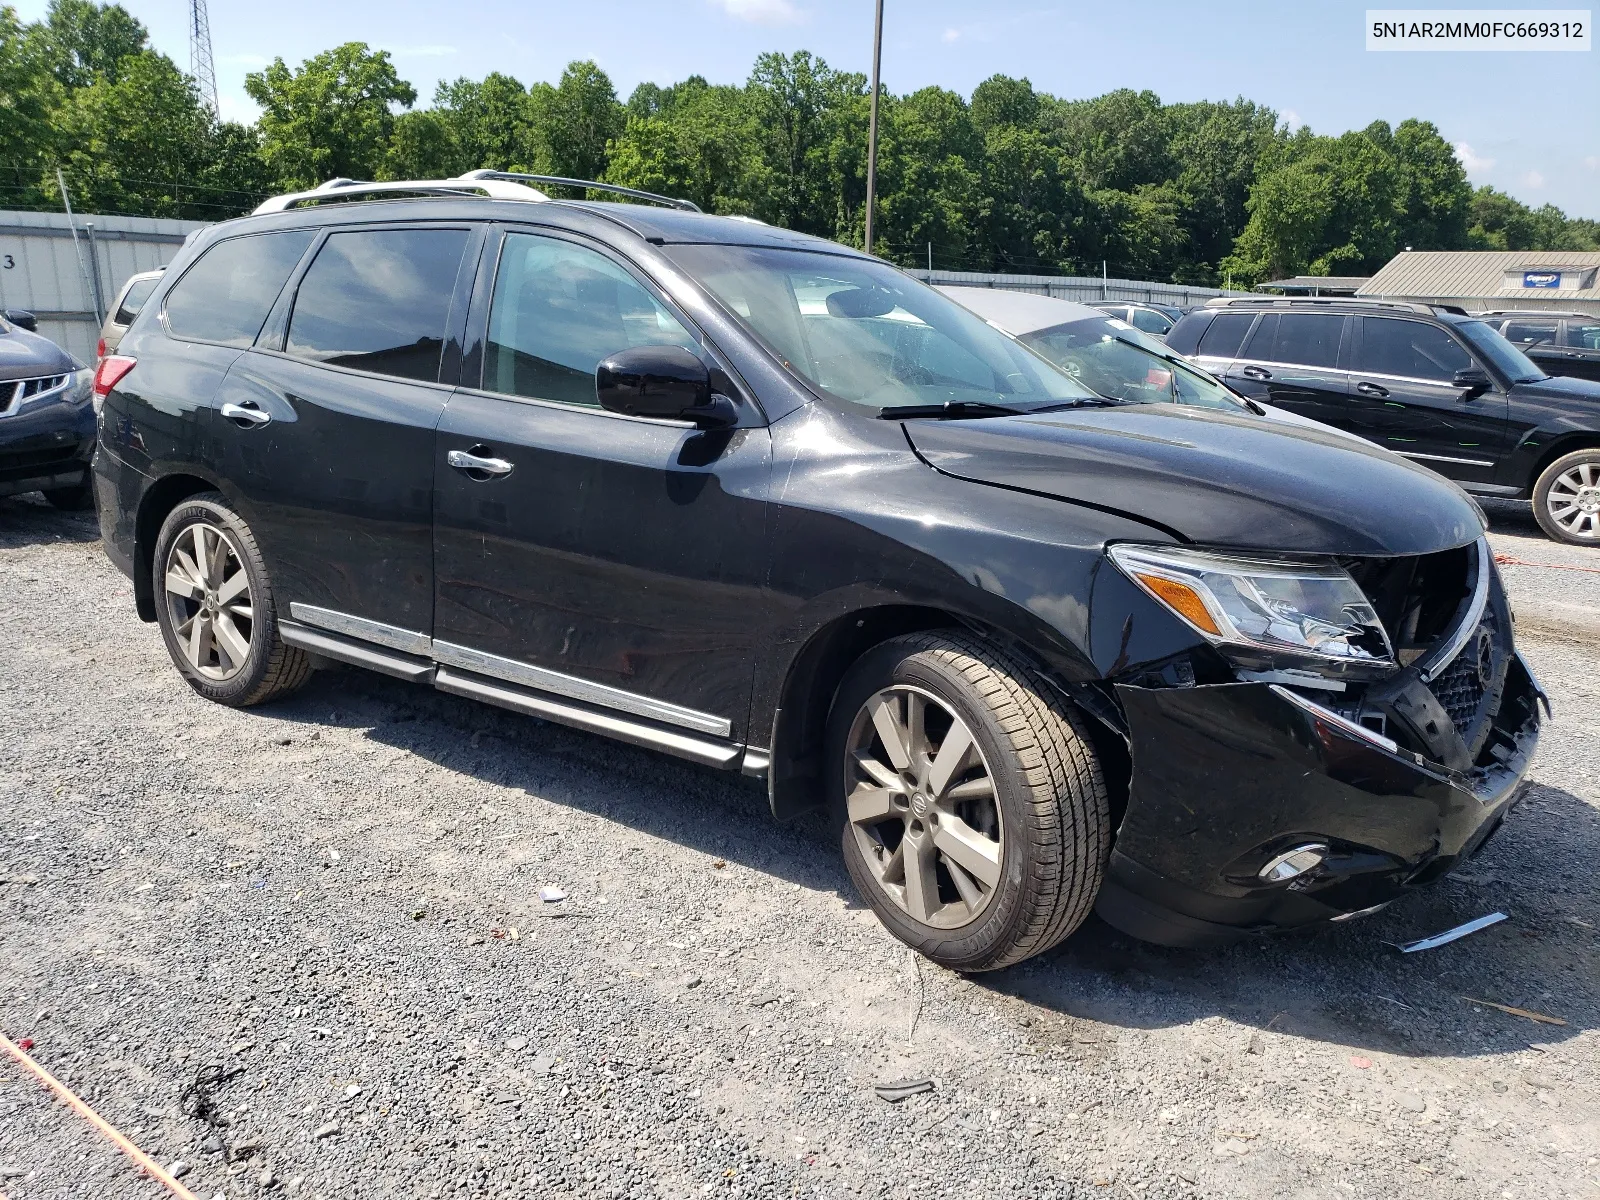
(1371, 389)
(1256, 373)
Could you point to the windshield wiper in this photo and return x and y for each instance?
(949, 410)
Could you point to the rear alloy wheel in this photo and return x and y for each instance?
(973, 810)
(1566, 500)
(214, 606)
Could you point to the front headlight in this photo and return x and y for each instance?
(1264, 613)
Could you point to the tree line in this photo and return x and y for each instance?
(1008, 179)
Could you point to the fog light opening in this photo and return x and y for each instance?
(1292, 864)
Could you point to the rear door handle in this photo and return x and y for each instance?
(1371, 389)
(1256, 373)
(248, 413)
(479, 466)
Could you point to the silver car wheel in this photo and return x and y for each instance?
(1573, 501)
(208, 598)
(921, 803)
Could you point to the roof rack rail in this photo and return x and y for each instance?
(588, 184)
(1326, 301)
(489, 189)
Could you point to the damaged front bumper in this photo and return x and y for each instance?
(1227, 777)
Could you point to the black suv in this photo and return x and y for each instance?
(1426, 381)
(1558, 342)
(766, 503)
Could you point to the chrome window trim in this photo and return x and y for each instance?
(1444, 458)
(407, 641)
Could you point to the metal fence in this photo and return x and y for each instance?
(69, 282)
(1086, 289)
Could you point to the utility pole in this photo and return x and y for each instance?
(200, 64)
(872, 128)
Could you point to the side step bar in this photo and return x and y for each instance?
(565, 712)
(360, 654)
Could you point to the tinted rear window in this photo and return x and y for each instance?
(378, 300)
(133, 299)
(226, 296)
(1225, 335)
(1390, 346)
(1583, 335)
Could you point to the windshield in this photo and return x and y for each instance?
(1115, 359)
(1516, 366)
(863, 332)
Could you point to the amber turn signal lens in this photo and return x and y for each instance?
(1184, 601)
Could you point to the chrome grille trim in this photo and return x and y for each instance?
(1437, 660)
(18, 390)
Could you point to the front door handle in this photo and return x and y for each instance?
(1256, 373)
(479, 466)
(246, 414)
(1372, 389)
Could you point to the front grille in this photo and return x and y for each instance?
(1460, 689)
(14, 391)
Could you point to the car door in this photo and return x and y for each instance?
(612, 560)
(1580, 342)
(327, 427)
(1402, 379)
(1539, 338)
(1291, 361)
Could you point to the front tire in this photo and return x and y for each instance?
(973, 809)
(1566, 499)
(215, 608)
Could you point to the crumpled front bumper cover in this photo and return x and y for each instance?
(1227, 776)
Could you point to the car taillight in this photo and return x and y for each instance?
(100, 349)
(108, 374)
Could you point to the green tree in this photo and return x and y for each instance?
(574, 122)
(27, 96)
(489, 120)
(333, 116)
(693, 140)
(80, 41)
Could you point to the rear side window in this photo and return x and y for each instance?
(1583, 335)
(1523, 334)
(225, 297)
(1390, 346)
(1150, 322)
(558, 309)
(1225, 335)
(378, 300)
(1311, 339)
(133, 300)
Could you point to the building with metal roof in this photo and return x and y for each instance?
(1315, 285)
(1485, 280)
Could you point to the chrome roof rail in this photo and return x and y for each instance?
(487, 188)
(588, 184)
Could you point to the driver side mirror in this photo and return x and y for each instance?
(22, 319)
(1474, 380)
(664, 382)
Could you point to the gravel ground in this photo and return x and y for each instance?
(335, 900)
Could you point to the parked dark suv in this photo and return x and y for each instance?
(46, 417)
(1559, 343)
(1426, 381)
(763, 502)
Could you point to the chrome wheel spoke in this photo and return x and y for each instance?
(972, 895)
(954, 757)
(235, 647)
(207, 594)
(196, 647)
(870, 804)
(891, 730)
(181, 583)
(875, 770)
(233, 587)
(201, 555)
(922, 884)
(980, 788)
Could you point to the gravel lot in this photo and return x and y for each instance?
(336, 900)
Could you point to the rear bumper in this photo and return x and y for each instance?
(1226, 777)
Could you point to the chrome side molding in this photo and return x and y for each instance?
(404, 640)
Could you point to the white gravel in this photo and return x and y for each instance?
(338, 899)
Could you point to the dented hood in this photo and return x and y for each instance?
(1213, 478)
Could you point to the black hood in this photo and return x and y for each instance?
(1213, 478)
(1558, 387)
(25, 355)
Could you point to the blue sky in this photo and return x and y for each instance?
(1527, 123)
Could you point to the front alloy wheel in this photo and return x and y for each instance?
(921, 805)
(1566, 500)
(208, 601)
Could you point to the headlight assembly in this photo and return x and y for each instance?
(1265, 613)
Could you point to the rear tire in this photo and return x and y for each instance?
(215, 608)
(995, 855)
(1566, 499)
(71, 499)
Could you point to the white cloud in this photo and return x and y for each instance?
(1291, 119)
(423, 51)
(1474, 162)
(1592, 162)
(761, 12)
(952, 35)
(1533, 180)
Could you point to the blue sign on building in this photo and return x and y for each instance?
(1541, 279)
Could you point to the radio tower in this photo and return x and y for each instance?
(200, 64)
